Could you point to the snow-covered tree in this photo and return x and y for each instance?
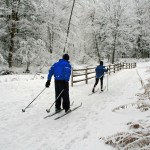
(94, 29)
(141, 30)
(19, 20)
(32, 51)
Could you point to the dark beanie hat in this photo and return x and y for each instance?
(66, 56)
(101, 62)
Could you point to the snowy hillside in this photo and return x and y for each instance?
(79, 130)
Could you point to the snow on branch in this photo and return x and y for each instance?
(141, 105)
(142, 83)
(138, 138)
(125, 106)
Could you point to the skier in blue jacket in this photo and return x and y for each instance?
(61, 71)
(99, 75)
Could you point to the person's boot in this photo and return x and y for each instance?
(68, 110)
(93, 90)
(102, 89)
(57, 110)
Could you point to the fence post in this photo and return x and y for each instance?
(72, 78)
(114, 68)
(86, 76)
(120, 65)
(130, 66)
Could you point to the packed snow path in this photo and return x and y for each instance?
(79, 130)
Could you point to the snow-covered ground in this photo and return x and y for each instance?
(79, 130)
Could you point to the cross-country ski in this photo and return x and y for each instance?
(102, 90)
(94, 92)
(73, 109)
(56, 112)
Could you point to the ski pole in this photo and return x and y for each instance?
(23, 110)
(107, 81)
(48, 110)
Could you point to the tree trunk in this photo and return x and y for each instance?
(97, 49)
(53, 26)
(27, 69)
(114, 49)
(69, 26)
(13, 30)
(96, 42)
(50, 39)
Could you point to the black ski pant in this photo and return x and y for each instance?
(59, 86)
(97, 80)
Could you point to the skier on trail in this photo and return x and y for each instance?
(100, 69)
(61, 71)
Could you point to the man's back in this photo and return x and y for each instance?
(61, 70)
(100, 71)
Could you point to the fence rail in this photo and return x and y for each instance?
(89, 73)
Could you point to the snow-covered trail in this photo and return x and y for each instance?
(79, 130)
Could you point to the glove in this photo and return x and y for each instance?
(47, 84)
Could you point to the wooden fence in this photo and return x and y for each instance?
(89, 73)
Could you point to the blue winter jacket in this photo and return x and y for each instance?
(100, 71)
(61, 70)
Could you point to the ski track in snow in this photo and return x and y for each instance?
(79, 130)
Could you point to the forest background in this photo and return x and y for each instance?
(37, 33)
